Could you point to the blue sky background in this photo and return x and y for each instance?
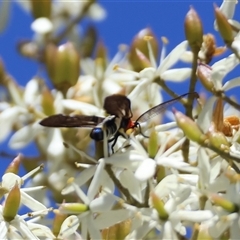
(124, 20)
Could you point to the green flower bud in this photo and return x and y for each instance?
(153, 144)
(224, 27)
(63, 65)
(159, 206)
(193, 30)
(224, 203)
(47, 102)
(41, 8)
(160, 173)
(12, 204)
(189, 127)
(73, 208)
(218, 140)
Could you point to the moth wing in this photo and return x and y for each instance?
(60, 120)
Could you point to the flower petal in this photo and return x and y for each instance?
(205, 117)
(69, 226)
(110, 218)
(129, 181)
(235, 82)
(102, 203)
(84, 108)
(23, 136)
(96, 181)
(172, 57)
(176, 74)
(7, 118)
(146, 170)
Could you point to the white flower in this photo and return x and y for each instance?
(10, 179)
(18, 228)
(145, 87)
(102, 204)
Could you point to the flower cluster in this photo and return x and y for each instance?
(148, 179)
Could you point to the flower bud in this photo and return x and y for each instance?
(139, 52)
(73, 208)
(224, 203)
(62, 65)
(57, 222)
(193, 30)
(224, 27)
(218, 140)
(14, 165)
(189, 127)
(153, 144)
(204, 74)
(12, 203)
(160, 173)
(47, 102)
(41, 8)
(159, 206)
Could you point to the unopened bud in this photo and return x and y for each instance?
(47, 102)
(193, 30)
(12, 204)
(73, 208)
(218, 140)
(153, 144)
(63, 65)
(159, 206)
(189, 127)
(14, 165)
(224, 27)
(224, 203)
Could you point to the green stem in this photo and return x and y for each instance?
(189, 106)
